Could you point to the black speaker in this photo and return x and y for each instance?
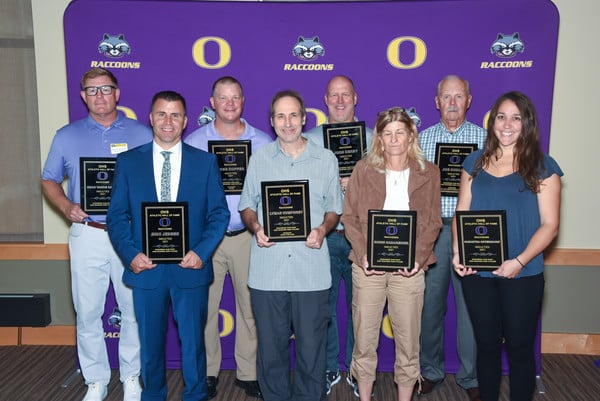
(24, 310)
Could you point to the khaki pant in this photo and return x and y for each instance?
(233, 257)
(405, 303)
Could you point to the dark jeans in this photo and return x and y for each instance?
(341, 269)
(505, 309)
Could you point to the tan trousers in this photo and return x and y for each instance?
(405, 303)
(233, 257)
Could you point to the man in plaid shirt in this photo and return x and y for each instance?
(452, 100)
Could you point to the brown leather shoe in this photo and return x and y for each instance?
(473, 393)
(427, 386)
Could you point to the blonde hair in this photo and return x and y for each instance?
(375, 158)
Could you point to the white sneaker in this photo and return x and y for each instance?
(132, 391)
(96, 392)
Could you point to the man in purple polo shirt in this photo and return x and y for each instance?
(94, 264)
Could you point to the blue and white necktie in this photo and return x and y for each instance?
(165, 178)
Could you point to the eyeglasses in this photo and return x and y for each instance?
(104, 89)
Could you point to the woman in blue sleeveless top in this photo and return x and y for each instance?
(510, 173)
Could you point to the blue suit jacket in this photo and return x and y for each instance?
(199, 184)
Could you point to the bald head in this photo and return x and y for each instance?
(340, 99)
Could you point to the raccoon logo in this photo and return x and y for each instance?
(507, 46)
(207, 115)
(308, 49)
(412, 113)
(114, 46)
(115, 318)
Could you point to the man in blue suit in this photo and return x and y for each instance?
(168, 170)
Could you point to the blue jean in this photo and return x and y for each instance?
(432, 354)
(341, 268)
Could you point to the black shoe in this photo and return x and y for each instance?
(211, 384)
(250, 386)
(427, 386)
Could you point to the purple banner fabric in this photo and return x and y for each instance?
(396, 52)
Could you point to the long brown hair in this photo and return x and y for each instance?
(528, 157)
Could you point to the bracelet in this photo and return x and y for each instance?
(517, 259)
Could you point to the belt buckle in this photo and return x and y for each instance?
(234, 233)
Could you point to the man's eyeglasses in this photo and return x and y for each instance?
(104, 89)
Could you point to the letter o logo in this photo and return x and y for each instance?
(229, 158)
(481, 230)
(454, 159)
(199, 52)
(102, 176)
(386, 327)
(319, 116)
(285, 201)
(391, 230)
(344, 141)
(419, 56)
(228, 323)
(164, 222)
(486, 119)
(129, 113)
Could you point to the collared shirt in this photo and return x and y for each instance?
(199, 139)
(158, 161)
(291, 266)
(87, 138)
(466, 133)
(316, 135)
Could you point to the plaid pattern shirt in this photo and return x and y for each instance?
(466, 133)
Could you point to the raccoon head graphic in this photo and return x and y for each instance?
(507, 46)
(412, 113)
(308, 49)
(114, 46)
(115, 318)
(207, 115)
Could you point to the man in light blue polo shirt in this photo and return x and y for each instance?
(94, 264)
(289, 281)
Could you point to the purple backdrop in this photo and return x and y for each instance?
(395, 52)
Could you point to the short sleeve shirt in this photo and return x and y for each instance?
(291, 266)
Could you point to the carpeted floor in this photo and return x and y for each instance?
(47, 373)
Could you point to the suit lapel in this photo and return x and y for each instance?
(147, 181)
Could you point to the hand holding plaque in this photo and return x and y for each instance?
(482, 243)
(348, 143)
(165, 231)
(286, 210)
(391, 239)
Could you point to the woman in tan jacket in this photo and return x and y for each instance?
(393, 176)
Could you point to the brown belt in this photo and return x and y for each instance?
(340, 232)
(94, 224)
